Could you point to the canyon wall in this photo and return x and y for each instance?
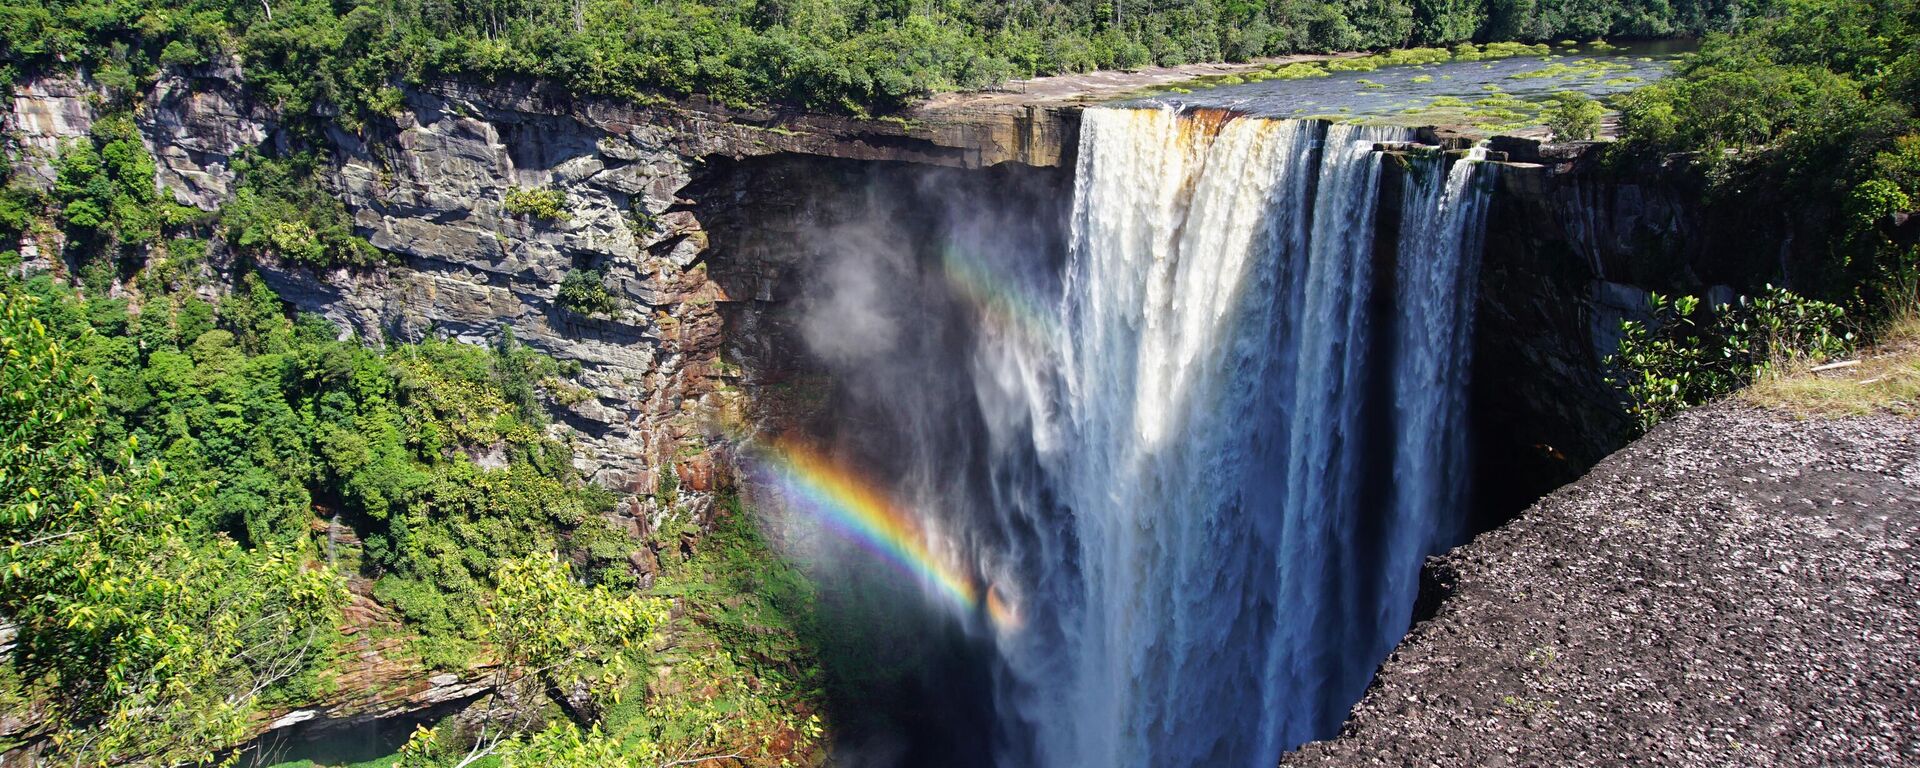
(428, 187)
(1573, 248)
(705, 222)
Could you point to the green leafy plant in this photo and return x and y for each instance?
(105, 188)
(584, 291)
(1683, 356)
(544, 203)
(1573, 116)
(147, 642)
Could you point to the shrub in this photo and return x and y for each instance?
(1573, 117)
(584, 291)
(1683, 357)
(278, 208)
(539, 202)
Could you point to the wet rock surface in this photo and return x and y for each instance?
(1736, 588)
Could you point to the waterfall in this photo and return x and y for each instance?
(1227, 457)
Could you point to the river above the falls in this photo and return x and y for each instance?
(1484, 94)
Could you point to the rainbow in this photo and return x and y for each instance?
(857, 511)
(999, 303)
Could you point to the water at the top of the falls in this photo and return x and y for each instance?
(1250, 434)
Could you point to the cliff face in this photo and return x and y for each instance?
(1572, 249)
(429, 188)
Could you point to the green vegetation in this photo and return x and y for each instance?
(105, 187)
(584, 291)
(146, 639)
(1805, 129)
(277, 208)
(1573, 116)
(547, 633)
(544, 203)
(341, 60)
(279, 417)
(732, 676)
(1684, 357)
(1811, 118)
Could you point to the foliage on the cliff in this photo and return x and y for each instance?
(584, 291)
(431, 454)
(547, 634)
(278, 209)
(1807, 129)
(740, 673)
(147, 640)
(732, 674)
(343, 59)
(1686, 355)
(545, 203)
(105, 189)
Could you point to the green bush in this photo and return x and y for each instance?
(584, 291)
(1573, 116)
(105, 188)
(278, 208)
(1684, 357)
(544, 203)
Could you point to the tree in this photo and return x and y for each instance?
(1573, 116)
(551, 636)
(158, 643)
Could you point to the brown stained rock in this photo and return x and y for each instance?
(643, 562)
(696, 473)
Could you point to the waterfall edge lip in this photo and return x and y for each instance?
(1425, 140)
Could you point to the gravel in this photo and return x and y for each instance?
(1737, 588)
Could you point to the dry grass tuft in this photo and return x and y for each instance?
(1886, 380)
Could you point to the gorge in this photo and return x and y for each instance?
(1105, 434)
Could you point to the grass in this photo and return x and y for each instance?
(1886, 380)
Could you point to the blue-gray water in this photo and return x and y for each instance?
(1403, 88)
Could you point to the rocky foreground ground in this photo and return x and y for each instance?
(1738, 588)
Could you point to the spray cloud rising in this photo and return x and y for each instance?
(1180, 479)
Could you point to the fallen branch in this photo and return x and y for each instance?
(1835, 366)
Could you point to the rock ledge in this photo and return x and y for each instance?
(1736, 588)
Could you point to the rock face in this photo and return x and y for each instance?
(46, 112)
(1572, 249)
(194, 120)
(1736, 588)
(429, 187)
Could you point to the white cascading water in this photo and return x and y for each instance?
(1247, 436)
